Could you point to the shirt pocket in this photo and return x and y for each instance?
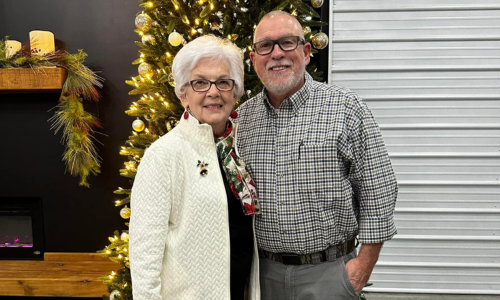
(317, 167)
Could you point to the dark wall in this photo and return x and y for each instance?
(76, 219)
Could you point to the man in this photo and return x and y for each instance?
(321, 169)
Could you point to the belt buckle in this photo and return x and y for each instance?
(291, 259)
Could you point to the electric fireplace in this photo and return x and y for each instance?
(21, 228)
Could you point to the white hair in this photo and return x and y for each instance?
(212, 47)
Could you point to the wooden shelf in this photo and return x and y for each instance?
(59, 275)
(29, 81)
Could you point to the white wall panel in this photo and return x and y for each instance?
(430, 72)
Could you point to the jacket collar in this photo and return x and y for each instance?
(191, 129)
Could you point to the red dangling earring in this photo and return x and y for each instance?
(186, 113)
(233, 114)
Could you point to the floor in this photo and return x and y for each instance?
(391, 296)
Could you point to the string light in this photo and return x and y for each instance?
(150, 4)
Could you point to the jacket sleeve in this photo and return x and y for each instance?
(150, 206)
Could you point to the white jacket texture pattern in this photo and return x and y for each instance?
(179, 227)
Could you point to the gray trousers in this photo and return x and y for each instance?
(323, 281)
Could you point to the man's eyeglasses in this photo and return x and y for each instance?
(203, 85)
(287, 43)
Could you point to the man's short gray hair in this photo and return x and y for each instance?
(212, 47)
(278, 13)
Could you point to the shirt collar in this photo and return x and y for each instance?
(296, 99)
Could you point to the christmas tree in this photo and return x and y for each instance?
(164, 27)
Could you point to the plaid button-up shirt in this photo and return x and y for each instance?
(321, 169)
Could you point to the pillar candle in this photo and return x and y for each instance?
(12, 47)
(42, 42)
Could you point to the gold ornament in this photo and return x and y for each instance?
(316, 3)
(125, 212)
(124, 237)
(215, 25)
(175, 39)
(306, 30)
(115, 295)
(320, 40)
(145, 69)
(171, 80)
(143, 22)
(148, 38)
(138, 125)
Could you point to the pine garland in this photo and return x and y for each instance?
(78, 126)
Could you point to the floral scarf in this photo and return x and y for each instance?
(237, 176)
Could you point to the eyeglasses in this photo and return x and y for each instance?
(203, 85)
(287, 43)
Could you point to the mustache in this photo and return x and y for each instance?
(282, 62)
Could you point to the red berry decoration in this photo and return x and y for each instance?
(233, 114)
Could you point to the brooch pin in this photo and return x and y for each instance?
(203, 169)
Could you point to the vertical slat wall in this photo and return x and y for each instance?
(430, 72)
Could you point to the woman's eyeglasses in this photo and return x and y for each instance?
(203, 85)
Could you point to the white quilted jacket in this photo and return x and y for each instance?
(179, 232)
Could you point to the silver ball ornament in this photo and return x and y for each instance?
(145, 69)
(125, 212)
(148, 38)
(316, 3)
(124, 237)
(143, 22)
(115, 295)
(320, 40)
(138, 125)
(175, 39)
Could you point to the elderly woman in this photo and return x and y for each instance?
(191, 229)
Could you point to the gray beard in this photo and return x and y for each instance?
(279, 89)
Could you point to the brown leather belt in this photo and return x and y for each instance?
(302, 259)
